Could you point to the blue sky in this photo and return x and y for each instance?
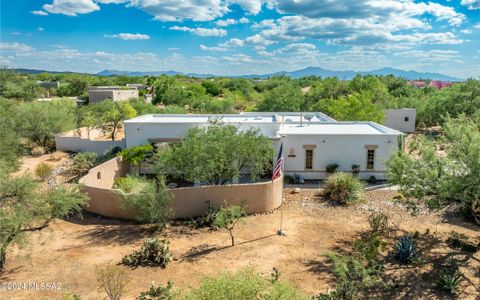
(232, 37)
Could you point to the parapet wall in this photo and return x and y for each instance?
(78, 141)
(188, 202)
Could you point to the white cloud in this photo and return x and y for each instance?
(466, 31)
(477, 26)
(41, 29)
(431, 55)
(71, 7)
(215, 48)
(228, 22)
(201, 31)
(351, 31)
(251, 6)
(15, 47)
(471, 4)
(39, 13)
(174, 10)
(129, 36)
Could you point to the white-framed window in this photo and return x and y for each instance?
(370, 159)
(308, 159)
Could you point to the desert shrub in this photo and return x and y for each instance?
(37, 151)
(153, 252)
(344, 188)
(228, 217)
(244, 284)
(43, 171)
(378, 222)
(112, 280)
(149, 198)
(460, 241)
(355, 170)
(131, 183)
(82, 162)
(69, 295)
(288, 179)
(449, 281)
(372, 179)
(332, 168)
(208, 219)
(158, 292)
(405, 250)
(370, 248)
(354, 278)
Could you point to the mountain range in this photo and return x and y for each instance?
(309, 71)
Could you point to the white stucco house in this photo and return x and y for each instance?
(115, 93)
(311, 141)
(402, 119)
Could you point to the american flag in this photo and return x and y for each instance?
(278, 166)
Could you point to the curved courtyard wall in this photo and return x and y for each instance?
(188, 202)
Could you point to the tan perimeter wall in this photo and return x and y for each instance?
(188, 202)
(77, 141)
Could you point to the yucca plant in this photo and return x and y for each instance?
(449, 281)
(405, 250)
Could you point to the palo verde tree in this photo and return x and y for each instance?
(26, 206)
(227, 218)
(149, 197)
(113, 114)
(137, 155)
(217, 154)
(443, 179)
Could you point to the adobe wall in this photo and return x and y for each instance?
(188, 202)
(77, 141)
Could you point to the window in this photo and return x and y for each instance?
(370, 159)
(308, 159)
(407, 119)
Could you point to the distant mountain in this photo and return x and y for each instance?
(346, 75)
(310, 71)
(35, 71)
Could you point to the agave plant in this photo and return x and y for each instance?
(405, 250)
(449, 281)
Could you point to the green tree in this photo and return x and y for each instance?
(438, 179)
(227, 218)
(113, 114)
(10, 143)
(25, 206)
(356, 107)
(217, 154)
(137, 155)
(42, 120)
(286, 97)
(150, 198)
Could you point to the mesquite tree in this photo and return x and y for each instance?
(26, 206)
(217, 154)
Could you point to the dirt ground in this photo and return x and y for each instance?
(29, 163)
(69, 251)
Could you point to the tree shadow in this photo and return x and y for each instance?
(6, 274)
(198, 252)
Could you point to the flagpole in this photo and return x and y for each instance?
(281, 232)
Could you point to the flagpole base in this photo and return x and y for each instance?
(281, 232)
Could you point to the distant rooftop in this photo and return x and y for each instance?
(253, 117)
(337, 128)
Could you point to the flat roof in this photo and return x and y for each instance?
(202, 118)
(251, 117)
(337, 128)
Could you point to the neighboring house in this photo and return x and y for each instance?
(402, 119)
(49, 84)
(137, 86)
(311, 141)
(438, 84)
(115, 93)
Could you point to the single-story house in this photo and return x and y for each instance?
(402, 119)
(115, 93)
(311, 141)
